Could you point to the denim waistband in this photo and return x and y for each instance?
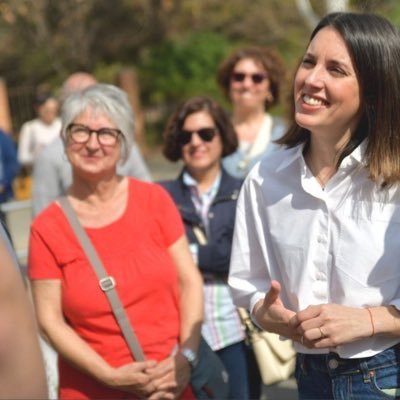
(336, 365)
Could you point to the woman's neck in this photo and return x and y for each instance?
(248, 124)
(99, 203)
(94, 191)
(321, 157)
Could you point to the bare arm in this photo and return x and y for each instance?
(21, 365)
(131, 377)
(191, 291)
(174, 372)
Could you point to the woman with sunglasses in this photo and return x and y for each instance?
(138, 234)
(251, 79)
(199, 133)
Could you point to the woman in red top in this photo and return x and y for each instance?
(137, 233)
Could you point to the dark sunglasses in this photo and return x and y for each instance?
(206, 134)
(240, 77)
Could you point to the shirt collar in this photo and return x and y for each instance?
(358, 155)
(293, 154)
(188, 180)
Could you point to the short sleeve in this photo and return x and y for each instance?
(42, 263)
(168, 217)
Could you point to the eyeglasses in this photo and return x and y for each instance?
(206, 134)
(257, 78)
(82, 133)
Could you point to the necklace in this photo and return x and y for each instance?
(244, 162)
(321, 181)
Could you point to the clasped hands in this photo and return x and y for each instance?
(153, 380)
(317, 326)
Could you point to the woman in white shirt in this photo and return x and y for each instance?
(37, 133)
(316, 247)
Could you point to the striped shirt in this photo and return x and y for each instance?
(222, 326)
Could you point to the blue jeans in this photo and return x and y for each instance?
(327, 376)
(234, 359)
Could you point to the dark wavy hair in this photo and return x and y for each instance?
(172, 150)
(268, 58)
(374, 46)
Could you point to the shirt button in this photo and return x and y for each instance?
(333, 364)
(210, 215)
(320, 239)
(320, 276)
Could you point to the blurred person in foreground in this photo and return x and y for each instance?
(52, 173)
(316, 247)
(251, 79)
(39, 132)
(22, 372)
(200, 133)
(138, 234)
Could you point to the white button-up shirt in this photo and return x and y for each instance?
(338, 245)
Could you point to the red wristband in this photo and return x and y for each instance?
(372, 321)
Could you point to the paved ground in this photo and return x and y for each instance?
(20, 218)
(286, 390)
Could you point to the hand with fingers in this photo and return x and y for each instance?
(170, 377)
(330, 325)
(133, 378)
(272, 315)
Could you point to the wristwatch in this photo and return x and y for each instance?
(191, 356)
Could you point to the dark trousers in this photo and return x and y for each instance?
(235, 361)
(253, 373)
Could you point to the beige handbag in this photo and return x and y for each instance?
(276, 358)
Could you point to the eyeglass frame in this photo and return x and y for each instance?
(116, 133)
(257, 78)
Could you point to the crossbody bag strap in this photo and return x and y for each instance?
(106, 282)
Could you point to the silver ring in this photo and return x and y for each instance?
(322, 333)
(302, 340)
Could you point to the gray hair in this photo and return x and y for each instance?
(104, 99)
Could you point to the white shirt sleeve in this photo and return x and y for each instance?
(25, 145)
(249, 278)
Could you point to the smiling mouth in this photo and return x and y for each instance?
(312, 101)
(197, 153)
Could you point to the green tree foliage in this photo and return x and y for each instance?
(182, 67)
(176, 45)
